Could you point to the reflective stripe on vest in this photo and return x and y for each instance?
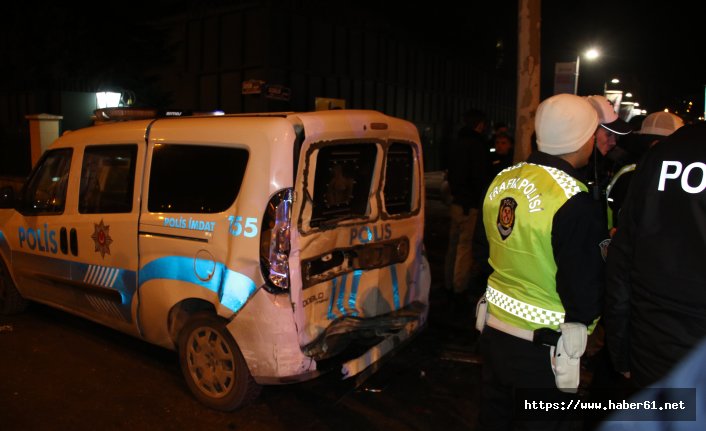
(523, 310)
(565, 181)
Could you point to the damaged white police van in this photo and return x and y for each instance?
(264, 249)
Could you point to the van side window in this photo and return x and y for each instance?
(342, 182)
(107, 179)
(195, 178)
(399, 179)
(45, 192)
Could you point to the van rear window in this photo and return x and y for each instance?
(195, 178)
(342, 182)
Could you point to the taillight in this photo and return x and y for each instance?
(274, 242)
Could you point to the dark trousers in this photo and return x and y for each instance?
(513, 366)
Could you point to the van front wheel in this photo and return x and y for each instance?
(213, 366)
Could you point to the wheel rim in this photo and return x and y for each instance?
(211, 362)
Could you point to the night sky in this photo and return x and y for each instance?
(653, 48)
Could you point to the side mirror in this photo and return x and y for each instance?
(7, 197)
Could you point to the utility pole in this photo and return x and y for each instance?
(528, 74)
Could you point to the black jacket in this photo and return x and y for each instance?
(656, 271)
(577, 233)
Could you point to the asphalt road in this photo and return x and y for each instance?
(60, 372)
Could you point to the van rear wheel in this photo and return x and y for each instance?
(213, 366)
(11, 302)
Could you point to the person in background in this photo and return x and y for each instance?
(467, 178)
(632, 142)
(501, 158)
(656, 277)
(499, 128)
(655, 127)
(607, 158)
(540, 238)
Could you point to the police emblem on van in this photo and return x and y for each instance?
(506, 217)
(101, 238)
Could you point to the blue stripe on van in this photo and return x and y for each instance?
(118, 279)
(342, 294)
(233, 288)
(334, 285)
(338, 294)
(354, 292)
(108, 277)
(395, 287)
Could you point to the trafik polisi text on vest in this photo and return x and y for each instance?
(523, 185)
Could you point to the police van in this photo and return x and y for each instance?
(264, 249)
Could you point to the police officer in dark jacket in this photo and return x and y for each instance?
(656, 268)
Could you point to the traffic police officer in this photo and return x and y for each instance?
(542, 239)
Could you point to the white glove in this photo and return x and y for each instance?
(481, 313)
(566, 358)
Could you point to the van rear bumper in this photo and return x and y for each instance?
(371, 360)
(350, 333)
(358, 347)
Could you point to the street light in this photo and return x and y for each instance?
(566, 74)
(590, 54)
(613, 81)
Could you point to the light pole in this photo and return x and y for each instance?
(576, 77)
(614, 95)
(566, 74)
(605, 85)
(590, 54)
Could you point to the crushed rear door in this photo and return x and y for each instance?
(357, 226)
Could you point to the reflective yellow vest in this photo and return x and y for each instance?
(518, 212)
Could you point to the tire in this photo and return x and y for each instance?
(213, 366)
(11, 302)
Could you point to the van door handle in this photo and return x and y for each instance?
(73, 242)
